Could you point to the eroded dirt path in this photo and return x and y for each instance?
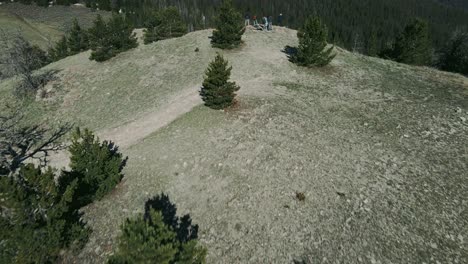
(134, 131)
(130, 133)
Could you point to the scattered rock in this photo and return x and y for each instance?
(341, 193)
(300, 196)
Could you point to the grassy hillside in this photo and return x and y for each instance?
(43, 26)
(378, 148)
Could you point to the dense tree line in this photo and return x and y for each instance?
(376, 28)
(370, 24)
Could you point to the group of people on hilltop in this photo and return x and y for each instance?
(267, 22)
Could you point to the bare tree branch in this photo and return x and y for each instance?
(20, 143)
(20, 58)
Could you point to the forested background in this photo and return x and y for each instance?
(353, 24)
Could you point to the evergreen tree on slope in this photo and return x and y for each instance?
(60, 50)
(454, 56)
(159, 236)
(36, 217)
(413, 46)
(229, 27)
(312, 50)
(109, 39)
(96, 166)
(217, 91)
(77, 39)
(165, 24)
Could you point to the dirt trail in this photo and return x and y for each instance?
(132, 132)
(27, 24)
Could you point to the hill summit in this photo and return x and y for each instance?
(376, 150)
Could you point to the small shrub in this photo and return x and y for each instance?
(30, 84)
(300, 196)
(159, 236)
(97, 167)
(217, 91)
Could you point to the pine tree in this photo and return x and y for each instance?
(97, 167)
(77, 39)
(111, 38)
(217, 91)
(121, 34)
(372, 44)
(99, 41)
(454, 56)
(60, 50)
(36, 218)
(312, 50)
(229, 27)
(164, 24)
(97, 32)
(413, 46)
(155, 238)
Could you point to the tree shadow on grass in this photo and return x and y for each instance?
(182, 226)
(290, 52)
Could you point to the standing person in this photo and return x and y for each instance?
(265, 22)
(270, 23)
(247, 19)
(204, 21)
(255, 22)
(280, 20)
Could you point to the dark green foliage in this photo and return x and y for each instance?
(229, 27)
(44, 3)
(107, 39)
(104, 5)
(95, 165)
(413, 46)
(312, 50)
(77, 39)
(343, 17)
(372, 44)
(60, 50)
(217, 91)
(41, 58)
(36, 219)
(454, 56)
(96, 32)
(159, 236)
(164, 24)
